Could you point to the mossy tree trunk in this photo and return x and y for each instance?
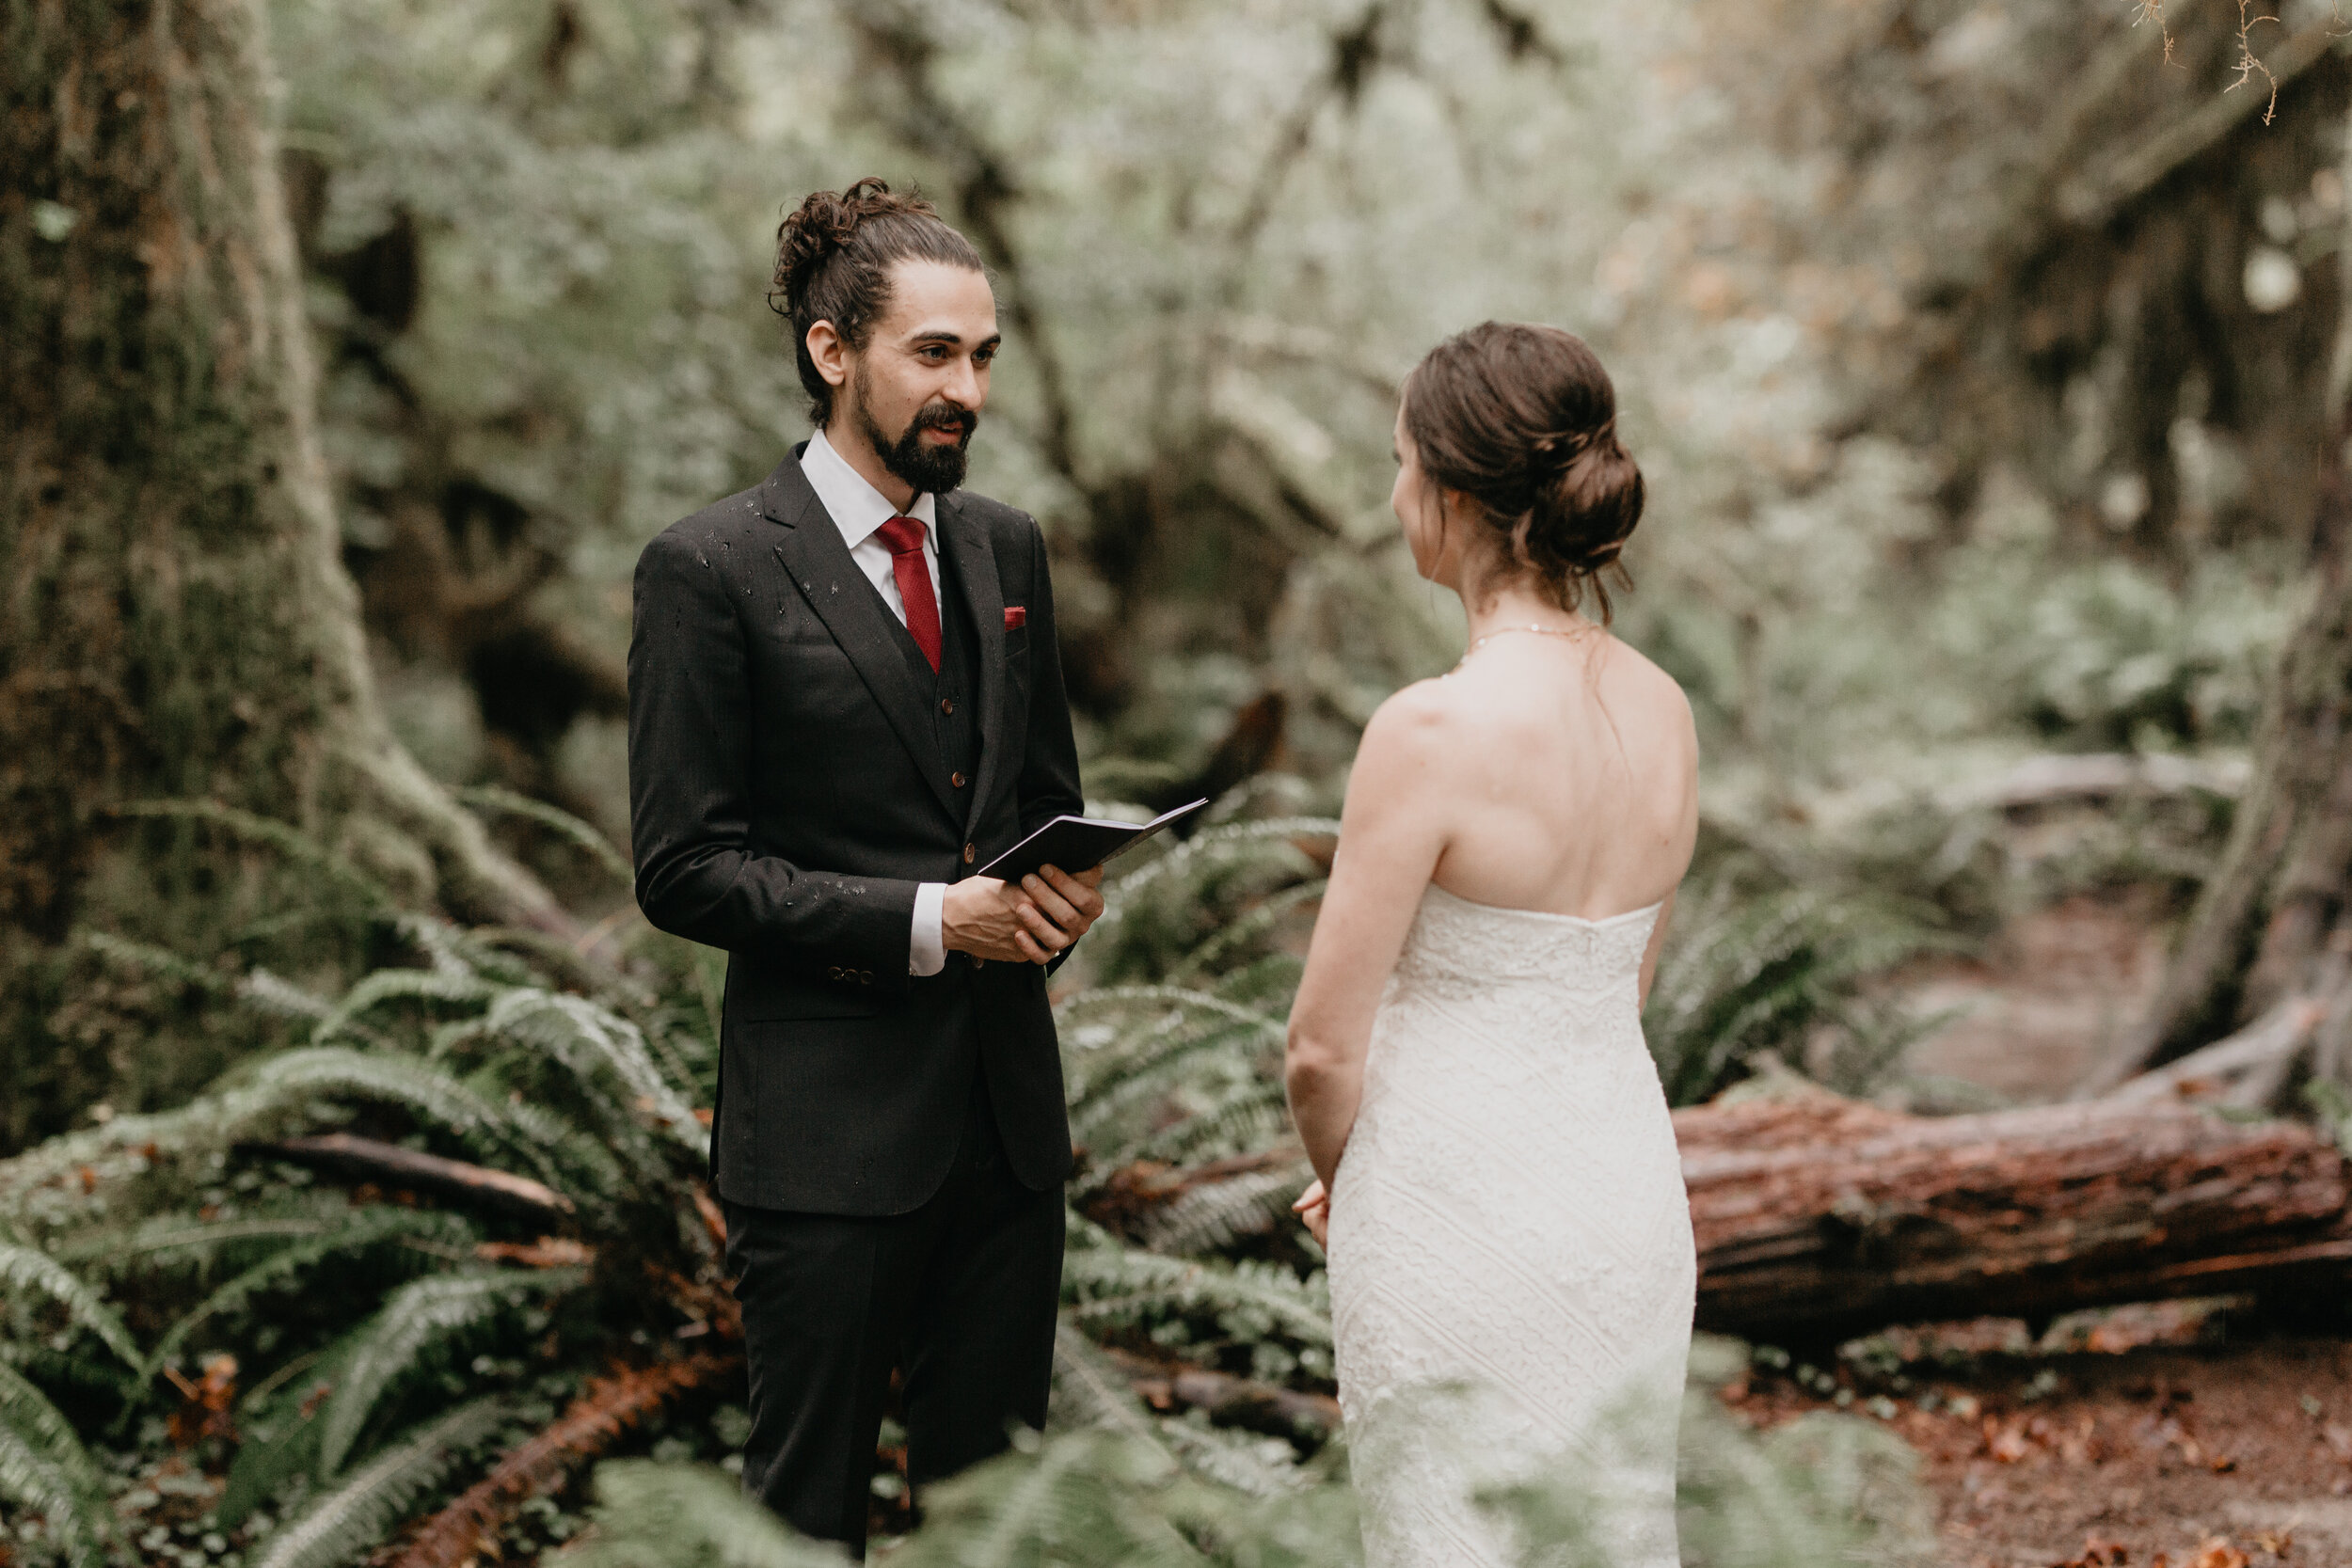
(2274, 922)
(175, 621)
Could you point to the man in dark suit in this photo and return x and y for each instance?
(844, 698)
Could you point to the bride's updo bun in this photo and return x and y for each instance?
(1523, 420)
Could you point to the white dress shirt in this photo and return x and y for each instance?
(859, 510)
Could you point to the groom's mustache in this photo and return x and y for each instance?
(944, 415)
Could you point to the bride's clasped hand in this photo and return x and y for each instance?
(1497, 1183)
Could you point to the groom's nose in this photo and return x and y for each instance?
(964, 390)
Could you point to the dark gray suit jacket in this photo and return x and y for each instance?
(786, 795)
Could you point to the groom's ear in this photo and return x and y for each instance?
(829, 354)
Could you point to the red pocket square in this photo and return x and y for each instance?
(1016, 616)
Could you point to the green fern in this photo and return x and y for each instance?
(340, 1527)
(420, 1318)
(27, 1271)
(402, 984)
(1213, 1216)
(1747, 971)
(651, 1516)
(293, 842)
(1108, 1284)
(46, 1470)
(1248, 928)
(368, 1229)
(1081, 1500)
(586, 835)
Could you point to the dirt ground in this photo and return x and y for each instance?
(2229, 1456)
(2160, 1438)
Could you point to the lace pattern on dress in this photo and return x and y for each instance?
(1511, 1259)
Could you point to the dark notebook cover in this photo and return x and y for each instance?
(1078, 843)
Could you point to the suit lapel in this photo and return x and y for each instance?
(810, 550)
(984, 596)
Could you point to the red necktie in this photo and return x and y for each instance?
(904, 535)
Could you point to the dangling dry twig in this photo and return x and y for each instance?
(466, 1528)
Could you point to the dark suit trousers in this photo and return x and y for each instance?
(960, 1294)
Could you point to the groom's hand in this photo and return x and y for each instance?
(1029, 924)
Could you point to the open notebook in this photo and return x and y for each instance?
(1078, 843)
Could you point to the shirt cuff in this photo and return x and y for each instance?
(926, 952)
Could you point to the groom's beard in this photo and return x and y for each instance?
(930, 469)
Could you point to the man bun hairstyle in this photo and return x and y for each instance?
(1523, 420)
(833, 256)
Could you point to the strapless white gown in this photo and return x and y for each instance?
(1511, 1262)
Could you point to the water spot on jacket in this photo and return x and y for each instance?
(835, 587)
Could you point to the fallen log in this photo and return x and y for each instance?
(389, 1163)
(1228, 1400)
(1818, 1218)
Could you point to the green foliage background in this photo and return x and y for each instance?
(537, 235)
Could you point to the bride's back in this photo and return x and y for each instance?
(1570, 783)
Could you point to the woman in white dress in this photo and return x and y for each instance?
(1500, 1192)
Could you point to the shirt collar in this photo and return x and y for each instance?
(856, 508)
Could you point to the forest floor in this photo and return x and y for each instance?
(2162, 1437)
(2214, 1456)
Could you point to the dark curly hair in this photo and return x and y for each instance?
(1522, 420)
(834, 257)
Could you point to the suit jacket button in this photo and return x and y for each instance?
(956, 779)
(866, 977)
(967, 854)
(833, 974)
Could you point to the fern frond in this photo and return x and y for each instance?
(342, 1524)
(420, 1317)
(490, 797)
(1212, 1216)
(1253, 923)
(453, 950)
(1135, 1079)
(1162, 1000)
(28, 1271)
(1249, 1115)
(272, 993)
(147, 958)
(1089, 1391)
(1084, 1499)
(581, 1036)
(1108, 1283)
(289, 841)
(1255, 1465)
(368, 1227)
(273, 1092)
(402, 984)
(582, 1168)
(1211, 845)
(46, 1470)
(655, 1515)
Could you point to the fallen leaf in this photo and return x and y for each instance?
(2218, 1553)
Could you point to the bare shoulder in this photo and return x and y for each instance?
(1630, 674)
(1413, 732)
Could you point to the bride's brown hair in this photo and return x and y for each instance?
(1523, 420)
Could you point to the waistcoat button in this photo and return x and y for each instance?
(967, 854)
(947, 704)
(956, 779)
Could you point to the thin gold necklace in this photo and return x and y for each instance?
(1478, 643)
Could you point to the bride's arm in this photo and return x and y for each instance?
(1391, 832)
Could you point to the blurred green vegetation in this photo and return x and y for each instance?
(537, 236)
